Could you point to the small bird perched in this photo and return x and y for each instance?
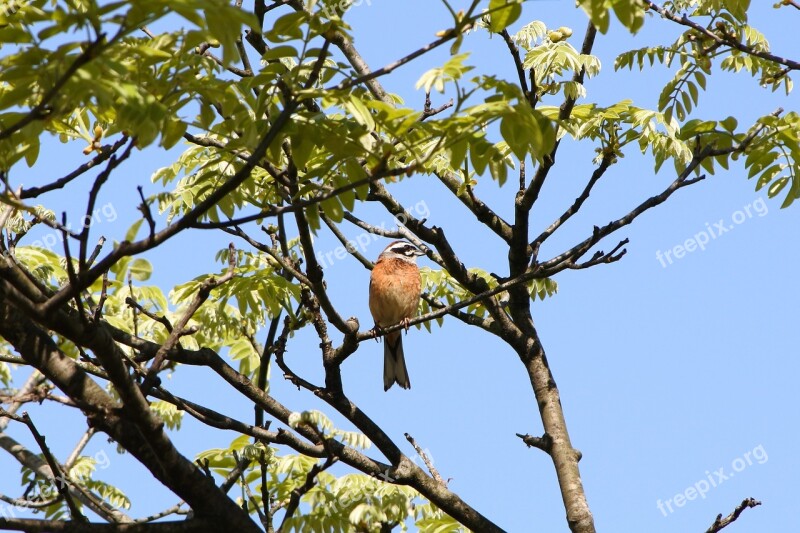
(394, 289)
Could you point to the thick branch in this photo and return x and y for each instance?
(194, 525)
(482, 212)
(148, 443)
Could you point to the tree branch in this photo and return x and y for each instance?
(535, 187)
(134, 426)
(61, 477)
(725, 38)
(172, 340)
(194, 525)
(105, 152)
(721, 522)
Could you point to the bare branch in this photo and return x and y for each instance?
(30, 504)
(175, 509)
(348, 245)
(482, 212)
(425, 459)
(194, 525)
(246, 486)
(523, 83)
(544, 443)
(61, 477)
(105, 152)
(721, 522)
(76, 452)
(605, 163)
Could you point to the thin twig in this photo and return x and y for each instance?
(106, 151)
(348, 245)
(30, 504)
(246, 486)
(175, 509)
(161, 319)
(60, 477)
(725, 38)
(85, 438)
(425, 459)
(102, 177)
(98, 310)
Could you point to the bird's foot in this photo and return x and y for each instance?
(376, 331)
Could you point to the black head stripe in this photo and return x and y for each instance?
(399, 248)
(404, 249)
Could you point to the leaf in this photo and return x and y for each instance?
(630, 13)
(503, 13)
(777, 187)
(141, 269)
(517, 138)
(598, 13)
(738, 8)
(278, 52)
(729, 124)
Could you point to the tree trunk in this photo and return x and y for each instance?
(565, 457)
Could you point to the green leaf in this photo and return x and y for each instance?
(729, 124)
(598, 13)
(515, 135)
(777, 187)
(141, 269)
(130, 235)
(503, 13)
(738, 8)
(630, 13)
(279, 52)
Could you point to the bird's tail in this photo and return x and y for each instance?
(394, 362)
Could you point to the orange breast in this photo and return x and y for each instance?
(393, 291)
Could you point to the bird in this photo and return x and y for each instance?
(394, 290)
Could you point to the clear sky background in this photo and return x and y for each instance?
(667, 372)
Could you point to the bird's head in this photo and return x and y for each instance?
(402, 250)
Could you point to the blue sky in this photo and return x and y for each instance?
(667, 372)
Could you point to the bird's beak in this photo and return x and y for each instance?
(419, 252)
